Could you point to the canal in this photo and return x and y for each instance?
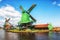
(29, 36)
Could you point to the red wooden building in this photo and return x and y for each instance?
(41, 26)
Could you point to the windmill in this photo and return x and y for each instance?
(27, 19)
(7, 25)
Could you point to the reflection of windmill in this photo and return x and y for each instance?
(27, 19)
(7, 25)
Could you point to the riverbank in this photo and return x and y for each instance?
(28, 30)
(55, 29)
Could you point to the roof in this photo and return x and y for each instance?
(41, 25)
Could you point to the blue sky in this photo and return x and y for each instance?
(46, 11)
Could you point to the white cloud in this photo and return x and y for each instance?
(9, 12)
(0, 0)
(58, 4)
(54, 3)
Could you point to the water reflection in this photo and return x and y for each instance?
(2, 35)
(42, 36)
(11, 36)
(26, 36)
(54, 35)
(29, 36)
(50, 35)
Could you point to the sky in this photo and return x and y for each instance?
(46, 11)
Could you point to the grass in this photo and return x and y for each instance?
(27, 30)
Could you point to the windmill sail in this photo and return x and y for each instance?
(32, 18)
(30, 9)
(21, 8)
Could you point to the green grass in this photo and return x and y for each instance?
(28, 30)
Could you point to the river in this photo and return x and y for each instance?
(29, 36)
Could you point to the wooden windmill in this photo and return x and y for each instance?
(7, 25)
(27, 19)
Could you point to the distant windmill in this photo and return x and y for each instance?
(27, 19)
(7, 25)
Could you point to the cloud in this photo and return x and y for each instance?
(58, 4)
(55, 3)
(0, 0)
(9, 11)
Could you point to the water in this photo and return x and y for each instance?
(29, 36)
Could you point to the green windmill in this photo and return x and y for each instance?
(50, 27)
(26, 19)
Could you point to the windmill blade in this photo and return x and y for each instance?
(32, 18)
(21, 8)
(30, 9)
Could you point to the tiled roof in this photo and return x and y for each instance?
(41, 26)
